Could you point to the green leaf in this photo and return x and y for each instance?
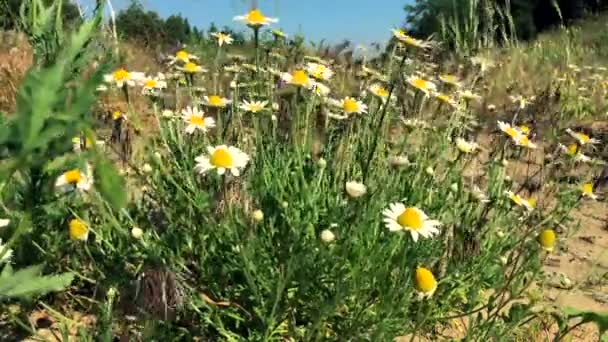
(109, 183)
(600, 319)
(27, 282)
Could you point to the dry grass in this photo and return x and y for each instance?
(15, 60)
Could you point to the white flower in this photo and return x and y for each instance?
(137, 233)
(182, 56)
(355, 189)
(75, 179)
(121, 77)
(528, 203)
(195, 119)
(255, 19)
(298, 78)
(327, 236)
(222, 38)
(216, 101)
(152, 85)
(352, 106)
(573, 151)
(582, 138)
(5, 253)
(379, 91)
(425, 86)
(398, 217)
(253, 106)
(319, 71)
(4, 222)
(516, 134)
(222, 158)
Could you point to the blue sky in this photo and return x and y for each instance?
(361, 21)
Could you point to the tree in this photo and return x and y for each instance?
(137, 24)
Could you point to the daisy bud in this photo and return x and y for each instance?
(425, 282)
(429, 170)
(146, 168)
(273, 118)
(4, 222)
(508, 178)
(355, 189)
(284, 204)
(505, 162)
(546, 239)
(322, 163)
(258, 215)
(137, 233)
(454, 187)
(327, 236)
(500, 233)
(503, 260)
(112, 292)
(157, 155)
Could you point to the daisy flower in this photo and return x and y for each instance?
(466, 146)
(253, 106)
(78, 230)
(195, 119)
(582, 138)
(121, 77)
(75, 179)
(447, 99)
(182, 56)
(222, 158)
(352, 106)
(298, 78)
(152, 85)
(5, 253)
(450, 79)
(573, 151)
(216, 101)
(528, 203)
(546, 239)
(222, 38)
(404, 38)
(399, 218)
(319, 71)
(422, 85)
(587, 191)
(516, 134)
(255, 19)
(191, 68)
(379, 91)
(424, 282)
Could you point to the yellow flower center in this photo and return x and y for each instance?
(78, 230)
(255, 107)
(221, 158)
(449, 78)
(216, 101)
(255, 17)
(73, 176)
(182, 56)
(512, 132)
(445, 98)
(584, 138)
(117, 115)
(517, 199)
(524, 129)
(191, 67)
(197, 121)
(150, 84)
(587, 188)
(572, 149)
(547, 239)
(121, 75)
(410, 218)
(425, 280)
(524, 141)
(420, 84)
(531, 202)
(300, 78)
(350, 105)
